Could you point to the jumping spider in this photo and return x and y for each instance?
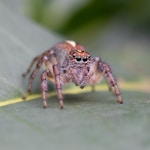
(66, 62)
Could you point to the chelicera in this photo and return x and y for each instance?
(66, 62)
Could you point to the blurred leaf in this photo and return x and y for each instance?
(135, 13)
(100, 11)
(38, 6)
(20, 41)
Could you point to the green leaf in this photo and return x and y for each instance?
(20, 41)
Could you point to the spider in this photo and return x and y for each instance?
(66, 62)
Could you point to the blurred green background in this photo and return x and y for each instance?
(118, 31)
(71, 17)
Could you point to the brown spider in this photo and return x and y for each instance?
(67, 62)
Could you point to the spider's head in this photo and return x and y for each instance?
(79, 56)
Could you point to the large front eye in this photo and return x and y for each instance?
(78, 58)
(84, 59)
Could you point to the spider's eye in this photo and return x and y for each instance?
(78, 58)
(84, 59)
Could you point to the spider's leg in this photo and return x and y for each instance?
(32, 76)
(44, 87)
(58, 85)
(110, 88)
(46, 75)
(111, 82)
(31, 65)
(56, 71)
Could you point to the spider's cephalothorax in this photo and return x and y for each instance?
(67, 62)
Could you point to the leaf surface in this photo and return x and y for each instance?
(89, 120)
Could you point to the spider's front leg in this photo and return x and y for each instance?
(56, 72)
(33, 74)
(35, 59)
(58, 85)
(112, 84)
(49, 59)
(44, 78)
